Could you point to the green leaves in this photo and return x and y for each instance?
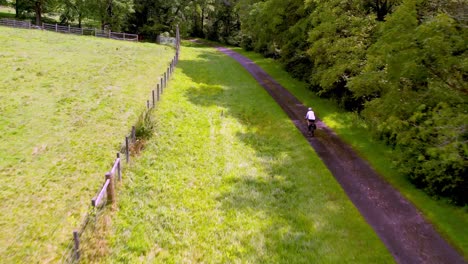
(403, 63)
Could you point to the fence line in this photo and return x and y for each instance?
(15, 23)
(70, 30)
(74, 251)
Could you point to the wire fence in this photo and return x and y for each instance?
(106, 195)
(15, 23)
(70, 30)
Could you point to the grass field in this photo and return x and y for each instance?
(227, 178)
(66, 104)
(6, 12)
(449, 220)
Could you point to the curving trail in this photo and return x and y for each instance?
(401, 227)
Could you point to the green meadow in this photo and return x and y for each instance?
(66, 104)
(227, 178)
(224, 178)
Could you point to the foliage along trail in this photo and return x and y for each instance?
(407, 235)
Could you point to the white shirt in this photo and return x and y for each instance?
(310, 115)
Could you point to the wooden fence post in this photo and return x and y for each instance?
(110, 188)
(56, 27)
(76, 246)
(126, 149)
(133, 134)
(119, 170)
(165, 80)
(152, 96)
(69, 29)
(147, 104)
(157, 91)
(162, 88)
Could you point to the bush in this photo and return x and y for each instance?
(144, 126)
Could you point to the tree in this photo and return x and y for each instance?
(152, 17)
(76, 10)
(44, 6)
(111, 13)
(340, 36)
(414, 78)
(197, 12)
(381, 7)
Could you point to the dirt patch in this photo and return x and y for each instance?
(401, 227)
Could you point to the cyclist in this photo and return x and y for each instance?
(310, 117)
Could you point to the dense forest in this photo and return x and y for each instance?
(401, 64)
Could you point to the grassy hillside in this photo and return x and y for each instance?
(451, 221)
(227, 178)
(66, 103)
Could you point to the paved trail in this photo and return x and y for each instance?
(400, 226)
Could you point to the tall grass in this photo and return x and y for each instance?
(227, 178)
(66, 103)
(449, 220)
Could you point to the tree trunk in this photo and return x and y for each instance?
(38, 9)
(382, 8)
(16, 9)
(202, 22)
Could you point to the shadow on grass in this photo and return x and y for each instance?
(285, 195)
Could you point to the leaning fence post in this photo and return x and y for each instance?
(110, 188)
(119, 172)
(126, 149)
(76, 247)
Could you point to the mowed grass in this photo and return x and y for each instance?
(451, 221)
(227, 178)
(66, 104)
